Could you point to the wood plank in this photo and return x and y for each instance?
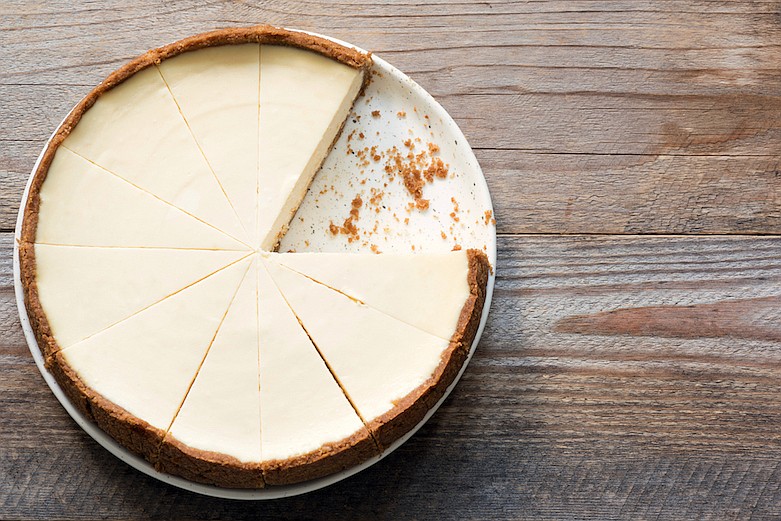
(619, 194)
(553, 95)
(586, 398)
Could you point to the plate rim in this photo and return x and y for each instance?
(277, 491)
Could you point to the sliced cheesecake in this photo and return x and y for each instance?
(160, 306)
(304, 101)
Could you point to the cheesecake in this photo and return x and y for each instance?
(153, 285)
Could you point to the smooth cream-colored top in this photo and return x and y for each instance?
(426, 291)
(85, 290)
(137, 132)
(217, 91)
(84, 205)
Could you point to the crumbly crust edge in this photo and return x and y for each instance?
(410, 410)
(214, 468)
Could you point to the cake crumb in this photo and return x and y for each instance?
(454, 213)
(437, 169)
(376, 113)
(348, 227)
(401, 114)
(375, 249)
(489, 217)
(457, 247)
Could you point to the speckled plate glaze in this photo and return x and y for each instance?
(393, 110)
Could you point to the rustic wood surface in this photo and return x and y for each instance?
(631, 365)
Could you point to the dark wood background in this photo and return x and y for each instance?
(631, 366)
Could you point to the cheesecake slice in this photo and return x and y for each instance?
(308, 426)
(215, 437)
(85, 290)
(216, 90)
(137, 132)
(305, 98)
(80, 204)
(384, 365)
(426, 290)
(133, 376)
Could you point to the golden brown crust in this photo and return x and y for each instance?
(211, 468)
(129, 431)
(218, 469)
(38, 321)
(410, 410)
(328, 459)
(471, 313)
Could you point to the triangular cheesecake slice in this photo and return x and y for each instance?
(135, 130)
(309, 429)
(132, 377)
(83, 290)
(305, 98)
(390, 370)
(425, 290)
(83, 205)
(215, 437)
(217, 91)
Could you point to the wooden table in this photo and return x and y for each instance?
(631, 365)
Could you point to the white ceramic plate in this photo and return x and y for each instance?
(406, 111)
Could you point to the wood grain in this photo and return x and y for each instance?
(648, 118)
(559, 415)
(625, 373)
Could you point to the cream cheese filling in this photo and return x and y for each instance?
(146, 363)
(83, 205)
(85, 290)
(135, 131)
(302, 407)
